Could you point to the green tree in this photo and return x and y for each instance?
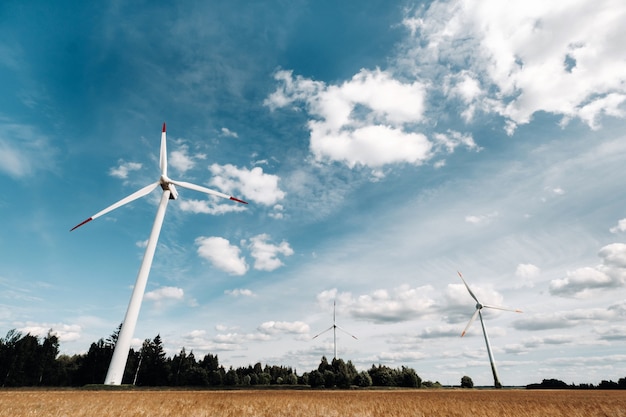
(231, 377)
(410, 379)
(382, 376)
(93, 366)
(466, 382)
(363, 379)
(50, 372)
(324, 365)
(316, 379)
(153, 370)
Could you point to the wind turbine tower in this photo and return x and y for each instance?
(334, 328)
(120, 353)
(477, 313)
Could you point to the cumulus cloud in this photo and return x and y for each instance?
(400, 304)
(122, 170)
(266, 254)
(65, 332)
(364, 121)
(181, 160)
(621, 227)
(518, 59)
(611, 273)
(254, 184)
(222, 254)
(278, 212)
(165, 293)
(274, 327)
(526, 273)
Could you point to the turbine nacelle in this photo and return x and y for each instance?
(166, 184)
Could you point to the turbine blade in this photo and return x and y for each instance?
(319, 334)
(346, 332)
(205, 190)
(470, 322)
(163, 154)
(134, 196)
(502, 308)
(468, 288)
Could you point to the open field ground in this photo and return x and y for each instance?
(452, 402)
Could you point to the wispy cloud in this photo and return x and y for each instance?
(24, 151)
(274, 327)
(240, 292)
(122, 170)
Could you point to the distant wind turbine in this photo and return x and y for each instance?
(480, 306)
(120, 354)
(334, 328)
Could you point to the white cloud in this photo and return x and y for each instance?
(165, 293)
(180, 160)
(24, 151)
(278, 212)
(210, 206)
(274, 327)
(65, 332)
(373, 145)
(368, 120)
(562, 58)
(222, 254)
(621, 227)
(240, 292)
(565, 319)
(266, 254)
(255, 185)
(400, 304)
(452, 139)
(526, 273)
(229, 133)
(122, 170)
(483, 218)
(583, 281)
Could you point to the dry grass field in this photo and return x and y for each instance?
(450, 402)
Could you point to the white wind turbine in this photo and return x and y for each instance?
(334, 328)
(120, 354)
(480, 306)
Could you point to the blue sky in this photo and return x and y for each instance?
(382, 146)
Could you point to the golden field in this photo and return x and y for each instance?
(270, 403)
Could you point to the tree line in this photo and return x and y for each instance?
(558, 384)
(27, 360)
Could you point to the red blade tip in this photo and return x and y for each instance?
(238, 200)
(80, 224)
(163, 126)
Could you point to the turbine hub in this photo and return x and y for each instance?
(167, 185)
(479, 306)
